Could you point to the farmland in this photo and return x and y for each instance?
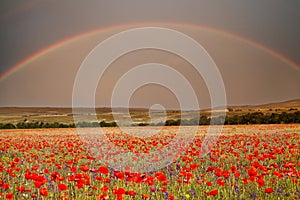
(246, 162)
(16, 115)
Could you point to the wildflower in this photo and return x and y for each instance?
(9, 196)
(153, 189)
(62, 187)
(209, 183)
(226, 174)
(233, 169)
(253, 196)
(21, 188)
(43, 192)
(269, 190)
(212, 193)
(131, 193)
(103, 170)
(252, 172)
(84, 168)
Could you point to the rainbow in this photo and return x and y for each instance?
(53, 47)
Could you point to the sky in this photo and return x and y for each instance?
(255, 45)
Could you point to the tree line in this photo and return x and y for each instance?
(249, 118)
(34, 125)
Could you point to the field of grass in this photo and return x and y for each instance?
(246, 162)
(138, 115)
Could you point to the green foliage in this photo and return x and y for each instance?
(172, 122)
(143, 124)
(7, 126)
(108, 124)
(260, 118)
(249, 118)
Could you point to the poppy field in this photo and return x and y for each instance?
(246, 162)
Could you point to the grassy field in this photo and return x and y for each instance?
(246, 162)
(138, 115)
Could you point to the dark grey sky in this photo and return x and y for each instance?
(27, 27)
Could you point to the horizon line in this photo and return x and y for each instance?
(142, 107)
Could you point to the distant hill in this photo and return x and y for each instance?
(139, 115)
(278, 105)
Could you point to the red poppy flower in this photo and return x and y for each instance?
(84, 168)
(55, 176)
(233, 169)
(34, 168)
(252, 178)
(218, 172)
(210, 169)
(237, 174)
(194, 166)
(221, 182)
(260, 182)
(38, 184)
(103, 197)
(269, 190)
(43, 192)
(106, 180)
(252, 172)
(59, 166)
(209, 183)
(9, 196)
(212, 193)
(21, 188)
(79, 185)
(131, 193)
(16, 160)
(103, 170)
(226, 174)
(119, 175)
(160, 176)
(62, 186)
(5, 186)
(73, 169)
(119, 191)
(104, 188)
